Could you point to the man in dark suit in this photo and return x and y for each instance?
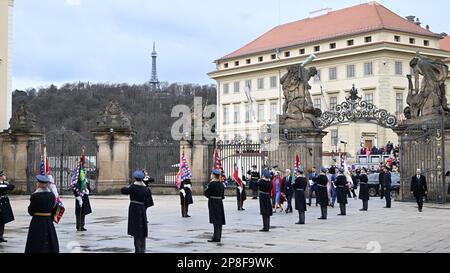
(288, 189)
(419, 188)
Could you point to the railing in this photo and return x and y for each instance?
(372, 159)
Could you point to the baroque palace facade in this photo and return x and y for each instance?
(6, 11)
(366, 45)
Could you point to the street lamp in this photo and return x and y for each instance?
(345, 146)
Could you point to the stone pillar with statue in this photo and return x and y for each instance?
(425, 134)
(113, 135)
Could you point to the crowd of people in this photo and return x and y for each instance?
(388, 149)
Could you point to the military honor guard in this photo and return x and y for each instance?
(239, 179)
(42, 236)
(341, 191)
(322, 192)
(81, 190)
(299, 186)
(6, 213)
(186, 197)
(419, 188)
(147, 179)
(215, 192)
(140, 200)
(364, 189)
(265, 206)
(254, 176)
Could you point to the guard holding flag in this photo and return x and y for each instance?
(81, 189)
(6, 213)
(186, 197)
(241, 194)
(42, 236)
(254, 178)
(215, 192)
(140, 200)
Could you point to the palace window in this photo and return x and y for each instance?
(302, 51)
(332, 73)
(333, 103)
(273, 82)
(247, 113)
(350, 71)
(225, 65)
(350, 42)
(248, 85)
(260, 83)
(316, 48)
(334, 138)
(397, 38)
(398, 68)
(236, 63)
(287, 54)
(237, 113)
(317, 77)
(273, 56)
(236, 87)
(426, 43)
(412, 41)
(226, 88)
(249, 61)
(317, 104)
(260, 59)
(368, 69)
(261, 112)
(332, 45)
(273, 111)
(368, 98)
(225, 114)
(368, 39)
(399, 103)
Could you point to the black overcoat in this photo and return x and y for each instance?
(341, 189)
(6, 212)
(265, 192)
(299, 186)
(140, 200)
(215, 192)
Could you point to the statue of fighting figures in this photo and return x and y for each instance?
(426, 97)
(298, 109)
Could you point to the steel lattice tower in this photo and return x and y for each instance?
(154, 82)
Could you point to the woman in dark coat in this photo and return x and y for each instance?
(265, 201)
(82, 204)
(341, 190)
(299, 186)
(42, 236)
(186, 197)
(364, 189)
(140, 200)
(322, 192)
(6, 213)
(215, 192)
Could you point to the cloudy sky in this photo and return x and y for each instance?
(57, 41)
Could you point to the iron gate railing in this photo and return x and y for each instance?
(160, 160)
(250, 154)
(423, 147)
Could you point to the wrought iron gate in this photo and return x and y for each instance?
(64, 148)
(250, 154)
(160, 160)
(423, 147)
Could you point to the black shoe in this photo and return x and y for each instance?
(187, 216)
(321, 218)
(242, 209)
(420, 210)
(362, 210)
(2, 240)
(299, 223)
(83, 229)
(264, 230)
(340, 214)
(213, 241)
(254, 198)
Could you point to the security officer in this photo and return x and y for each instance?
(140, 200)
(364, 189)
(6, 213)
(299, 186)
(265, 206)
(254, 178)
(322, 192)
(215, 192)
(42, 236)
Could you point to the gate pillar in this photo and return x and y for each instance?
(16, 149)
(113, 135)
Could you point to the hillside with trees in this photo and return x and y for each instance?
(76, 106)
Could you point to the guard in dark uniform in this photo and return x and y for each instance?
(42, 236)
(254, 178)
(381, 182)
(364, 189)
(6, 213)
(215, 192)
(265, 205)
(147, 179)
(140, 200)
(322, 192)
(299, 186)
(387, 187)
(82, 204)
(186, 197)
(341, 187)
(241, 195)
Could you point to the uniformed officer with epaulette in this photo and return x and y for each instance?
(254, 176)
(6, 213)
(140, 200)
(322, 192)
(265, 206)
(215, 192)
(42, 236)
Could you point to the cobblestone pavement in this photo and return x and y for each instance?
(400, 229)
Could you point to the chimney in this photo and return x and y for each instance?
(418, 22)
(411, 18)
(428, 27)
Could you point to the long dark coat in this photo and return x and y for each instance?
(363, 187)
(6, 213)
(322, 191)
(141, 199)
(254, 178)
(240, 195)
(86, 208)
(42, 236)
(215, 192)
(265, 201)
(299, 186)
(341, 189)
(186, 200)
(419, 187)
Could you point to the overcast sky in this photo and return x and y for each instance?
(57, 41)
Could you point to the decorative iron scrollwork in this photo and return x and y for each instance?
(354, 109)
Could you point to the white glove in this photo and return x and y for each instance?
(244, 183)
(183, 192)
(240, 190)
(80, 201)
